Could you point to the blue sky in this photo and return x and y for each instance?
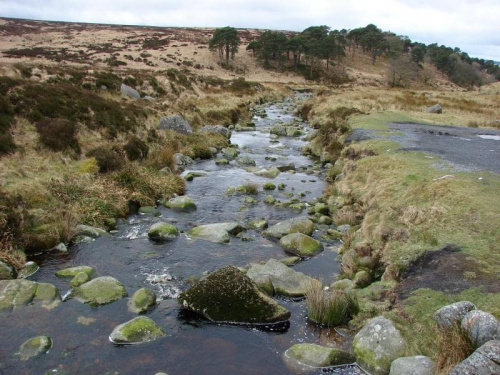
(471, 25)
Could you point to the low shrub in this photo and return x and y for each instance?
(7, 144)
(330, 308)
(108, 160)
(136, 149)
(58, 134)
(110, 80)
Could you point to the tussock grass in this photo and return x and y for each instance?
(330, 308)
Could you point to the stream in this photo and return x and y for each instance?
(193, 346)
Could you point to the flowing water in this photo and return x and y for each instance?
(194, 346)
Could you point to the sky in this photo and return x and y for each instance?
(471, 25)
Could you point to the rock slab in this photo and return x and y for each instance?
(484, 361)
(301, 245)
(295, 225)
(319, 356)
(175, 123)
(100, 291)
(418, 365)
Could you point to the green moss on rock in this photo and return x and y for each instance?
(142, 300)
(319, 356)
(137, 330)
(34, 347)
(301, 245)
(163, 232)
(79, 279)
(100, 291)
(73, 271)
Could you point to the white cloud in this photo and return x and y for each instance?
(471, 25)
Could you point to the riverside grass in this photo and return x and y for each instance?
(408, 211)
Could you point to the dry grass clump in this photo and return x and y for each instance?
(453, 347)
(345, 216)
(330, 308)
(9, 254)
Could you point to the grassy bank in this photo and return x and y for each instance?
(421, 239)
(76, 150)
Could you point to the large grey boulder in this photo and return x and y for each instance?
(418, 365)
(285, 280)
(129, 91)
(34, 347)
(100, 291)
(435, 109)
(378, 344)
(136, 331)
(182, 161)
(219, 129)
(217, 233)
(318, 356)
(228, 295)
(20, 292)
(480, 327)
(295, 225)
(6, 271)
(301, 245)
(484, 361)
(451, 315)
(176, 123)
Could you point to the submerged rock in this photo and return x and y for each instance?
(484, 361)
(34, 347)
(149, 210)
(285, 280)
(377, 345)
(319, 356)
(137, 330)
(272, 172)
(73, 271)
(142, 300)
(245, 160)
(100, 291)
(182, 203)
(227, 295)
(29, 269)
(163, 232)
(191, 175)
(175, 123)
(301, 245)
(20, 292)
(418, 365)
(295, 225)
(217, 233)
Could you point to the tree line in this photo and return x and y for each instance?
(317, 48)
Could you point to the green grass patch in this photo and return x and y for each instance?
(379, 120)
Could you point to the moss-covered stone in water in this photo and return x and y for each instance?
(281, 186)
(137, 330)
(100, 291)
(319, 356)
(29, 269)
(228, 295)
(290, 261)
(142, 300)
(334, 234)
(163, 232)
(14, 293)
(182, 203)
(79, 279)
(269, 186)
(294, 225)
(6, 271)
(221, 161)
(301, 245)
(73, 271)
(251, 201)
(321, 208)
(269, 199)
(257, 224)
(149, 210)
(46, 292)
(34, 347)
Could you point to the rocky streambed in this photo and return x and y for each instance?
(235, 202)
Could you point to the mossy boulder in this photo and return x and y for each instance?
(142, 300)
(163, 232)
(258, 224)
(301, 245)
(269, 186)
(319, 356)
(228, 295)
(182, 203)
(269, 199)
(325, 220)
(321, 208)
(191, 175)
(344, 284)
(34, 347)
(137, 330)
(221, 161)
(79, 279)
(149, 210)
(87, 230)
(362, 279)
(272, 172)
(295, 225)
(290, 261)
(73, 271)
(20, 292)
(6, 271)
(217, 233)
(100, 291)
(377, 344)
(286, 281)
(230, 152)
(250, 201)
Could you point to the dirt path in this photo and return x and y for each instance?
(466, 149)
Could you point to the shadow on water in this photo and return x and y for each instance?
(193, 345)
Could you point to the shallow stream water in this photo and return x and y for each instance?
(193, 346)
